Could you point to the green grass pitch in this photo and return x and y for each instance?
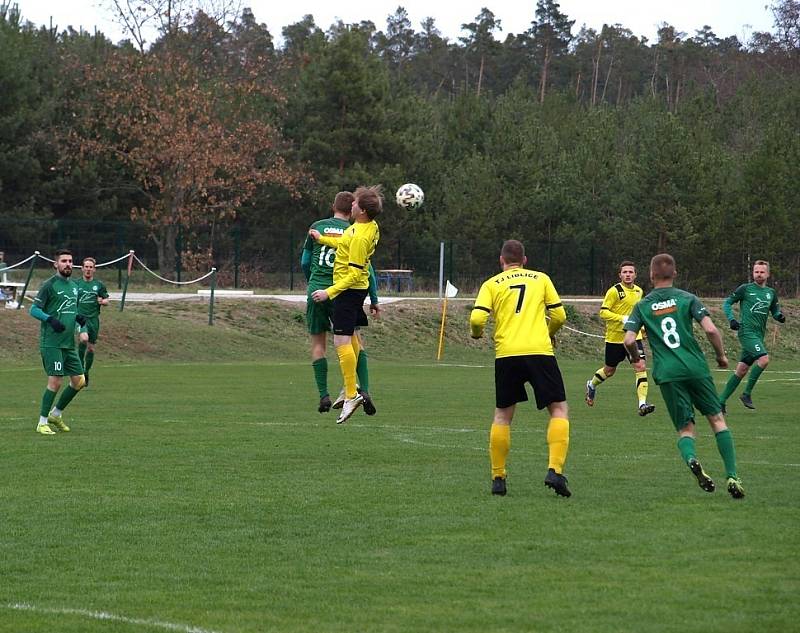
(214, 498)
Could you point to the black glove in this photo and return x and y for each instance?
(734, 324)
(57, 325)
(781, 318)
(81, 320)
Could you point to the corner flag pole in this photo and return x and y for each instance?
(441, 330)
(450, 291)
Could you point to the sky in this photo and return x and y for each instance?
(726, 17)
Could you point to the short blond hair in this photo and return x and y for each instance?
(662, 266)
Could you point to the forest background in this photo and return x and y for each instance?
(215, 145)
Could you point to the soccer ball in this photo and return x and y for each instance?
(410, 196)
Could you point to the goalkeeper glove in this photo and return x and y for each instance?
(81, 320)
(57, 325)
(734, 324)
(781, 318)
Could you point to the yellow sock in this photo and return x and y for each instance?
(558, 443)
(347, 363)
(356, 345)
(499, 445)
(599, 376)
(641, 386)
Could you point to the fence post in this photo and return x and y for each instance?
(237, 253)
(178, 254)
(441, 268)
(211, 298)
(120, 245)
(291, 258)
(127, 279)
(28, 280)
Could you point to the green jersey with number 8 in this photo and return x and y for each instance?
(667, 314)
(322, 257)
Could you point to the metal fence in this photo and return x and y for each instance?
(255, 256)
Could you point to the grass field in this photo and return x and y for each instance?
(196, 497)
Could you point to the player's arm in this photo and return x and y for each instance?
(480, 312)
(606, 311)
(306, 254)
(327, 240)
(630, 344)
(727, 306)
(373, 292)
(714, 337)
(775, 309)
(556, 313)
(632, 325)
(37, 313)
(355, 266)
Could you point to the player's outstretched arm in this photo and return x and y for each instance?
(714, 337)
(630, 344)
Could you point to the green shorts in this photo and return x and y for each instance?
(684, 396)
(58, 361)
(318, 316)
(93, 328)
(753, 348)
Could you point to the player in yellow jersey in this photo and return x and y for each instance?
(522, 300)
(617, 305)
(350, 286)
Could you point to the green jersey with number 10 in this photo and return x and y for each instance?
(322, 257)
(668, 314)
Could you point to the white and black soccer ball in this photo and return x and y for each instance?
(410, 196)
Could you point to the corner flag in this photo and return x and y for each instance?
(450, 291)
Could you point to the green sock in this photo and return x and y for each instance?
(47, 402)
(82, 351)
(320, 367)
(66, 397)
(686, 447)
(755, 374)
(362, 370)
(89, 361)
(728, 451)
(730, 387)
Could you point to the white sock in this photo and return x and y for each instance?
(42, 420)
(56, 412)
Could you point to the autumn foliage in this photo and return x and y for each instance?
(196, 138)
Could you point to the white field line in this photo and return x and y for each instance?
(405, 435)
(110, 617)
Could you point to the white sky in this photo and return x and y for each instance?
(726, 17)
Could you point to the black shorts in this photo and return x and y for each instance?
(617, 352)
(348, 311)
(512, 372)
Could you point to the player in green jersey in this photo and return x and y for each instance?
(56, 306)
(756, 301)
(680, 369)
(94, 295)
(317, 261)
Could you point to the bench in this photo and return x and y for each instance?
(398, 279)
(9, 290)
